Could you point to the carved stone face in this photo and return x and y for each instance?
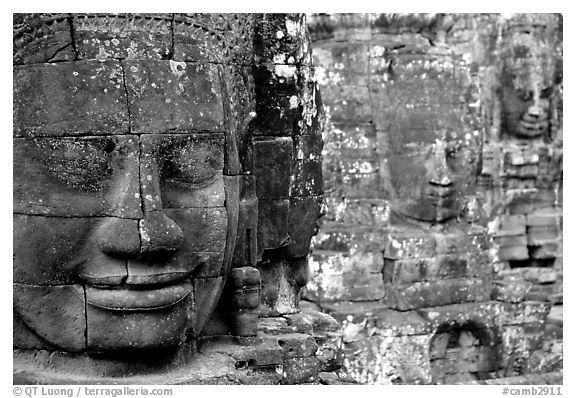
(124, 222)
(525, 106)
(424, 183)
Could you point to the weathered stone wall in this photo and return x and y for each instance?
(392, 85)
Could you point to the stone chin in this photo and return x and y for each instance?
(427, 209)
(531, 129)
(74, 318)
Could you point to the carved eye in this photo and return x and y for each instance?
(79, 163)
(546, 92)
(191, 164)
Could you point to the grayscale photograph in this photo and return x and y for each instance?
(287, 199)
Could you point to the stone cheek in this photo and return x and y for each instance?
(58, 242)
(50, 310)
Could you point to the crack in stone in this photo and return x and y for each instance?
(85, 318)
(170, 56)
(73, 37)
(127, 97)
(141, 193)
(68, 216)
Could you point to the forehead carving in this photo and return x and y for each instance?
(218, 38)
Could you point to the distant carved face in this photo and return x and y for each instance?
(527, 85)
(124, 222)
(526, 107)
(424, 182)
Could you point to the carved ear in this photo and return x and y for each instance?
(273, 165)
(245, 251)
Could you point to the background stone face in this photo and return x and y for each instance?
(393, 85)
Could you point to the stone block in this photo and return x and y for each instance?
(416, 125)
(420, 269)
(404, 244)
(539, 235)
(545, 251)
(389, 360)
(169, 96)
(275, 326)
(300, 370)
(360, 186)
(510, 291)
(513, 224)
(466, 359)
(435, 293)
(395, 323)
(303, 323)
(270, 83)
(307, 174)
(335, 288)
(543, 362)
(245, 323)
(357, 141)
(273, 167)
(540, 275)
(281, 34)
(350, 104)
(77, 177)
(512, 253)
(70, 99)
(48, 310)
(525, 312)
(123, 36)
(297, 345)
(529, 202)
(483, 316)
(277, 114)
(345, 63)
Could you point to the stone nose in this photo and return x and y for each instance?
(155, 234)
(147, 230)
(119, 237)
(535, 110)
(159, 234)
(440, 173)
